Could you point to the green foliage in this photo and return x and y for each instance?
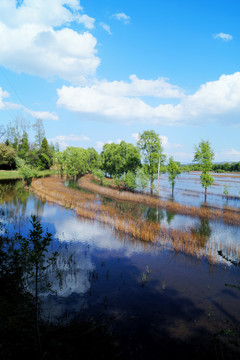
(173, 170)
(204, 155)
(150, 146)
(25, 171)
(94, 160)
(117, 182)
(76, 162)
(7, 157)
(33, 253)
(130, 180)
(23, 146)
(143, 179)
(120, 158)
(59, 162)
(225, 191)
(99, 174)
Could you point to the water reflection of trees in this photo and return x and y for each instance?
(204, 229)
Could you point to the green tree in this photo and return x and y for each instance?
(150, 146)
(7, 157)
(39, 132)
(94, 159)
(142, 179)
(204, 155)
(173, 170)
(76, 162)
(23, 146)
(120, 158)
(59, 162)
(130, 180)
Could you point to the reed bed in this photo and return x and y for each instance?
(88, 206)
(229, 215)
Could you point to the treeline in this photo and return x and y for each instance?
(132, 167)
(16, 148)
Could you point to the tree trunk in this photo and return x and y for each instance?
(151, 186)
(205, 194)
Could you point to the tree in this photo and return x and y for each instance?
(93, 159)
(40, 132)
(76, 160)
(204, 155)
(59, 161)
(173, 170)
(7, 157)
(118, 159)
(150, 146)
(130, 180)
(23, 146)
(15, 132)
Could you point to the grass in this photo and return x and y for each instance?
(15, 175)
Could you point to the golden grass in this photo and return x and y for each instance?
(229, 215)
(87, 206)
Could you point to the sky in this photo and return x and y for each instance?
(98, 71)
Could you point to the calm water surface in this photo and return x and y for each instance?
(145, 289)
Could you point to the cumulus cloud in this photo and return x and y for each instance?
(106, 27)
(223, 36)
(123, 101)
(30, 43)
(122, 17)
(63, 140)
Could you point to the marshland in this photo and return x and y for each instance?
(127, 271)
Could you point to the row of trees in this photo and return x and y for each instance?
(136, 166)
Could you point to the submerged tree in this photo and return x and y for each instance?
(150, 146)
(173, 170)
(204, 155)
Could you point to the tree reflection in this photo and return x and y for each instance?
(204, 229)
(155, 214)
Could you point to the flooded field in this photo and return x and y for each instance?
(172, 297)
(188, 189)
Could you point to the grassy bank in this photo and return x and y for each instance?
(15, 175)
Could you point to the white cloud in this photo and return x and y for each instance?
(106, 27)
(223, 36)
(3, 94)
(44, 115)
(100, 144)
(121, 101)
(122, 17)
(29, 43)
(63, 140)
(135, 136)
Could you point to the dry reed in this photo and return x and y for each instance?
(229, 215)
(89, 207)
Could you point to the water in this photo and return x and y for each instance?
(147, 291)
(188, 189)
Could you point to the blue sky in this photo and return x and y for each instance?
(105, 71)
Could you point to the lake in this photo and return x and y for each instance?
(161, 300)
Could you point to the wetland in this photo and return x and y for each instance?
(161, 275)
